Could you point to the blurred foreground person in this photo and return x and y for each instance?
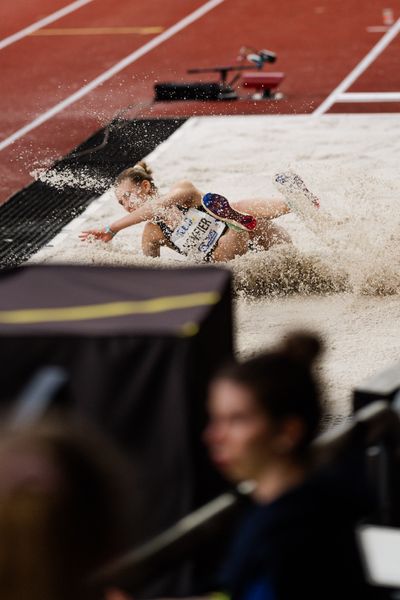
(297, 539)
(60, 512)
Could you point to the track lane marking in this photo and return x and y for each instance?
(378, 28)
(369, 97)
(119, 66)
(98, 31)
(19, 35)
(358, 69)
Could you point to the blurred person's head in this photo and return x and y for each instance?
(264, 412)
(60, 513)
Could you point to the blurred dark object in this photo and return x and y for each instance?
(139, 347)
(366, 427)
(63, 509)
(373, 434)
(35, 400)
(190, 536)
(166, 92)
(382, 386)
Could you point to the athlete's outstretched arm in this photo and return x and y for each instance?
(151, 209)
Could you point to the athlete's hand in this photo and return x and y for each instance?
(97, 234)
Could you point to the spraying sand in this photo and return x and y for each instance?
(341, 276)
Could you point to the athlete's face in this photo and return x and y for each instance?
(240, 436)
(132, 195)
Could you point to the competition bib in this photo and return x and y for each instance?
(197, 234)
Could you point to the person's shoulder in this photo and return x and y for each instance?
(184, 184)
(187, 193)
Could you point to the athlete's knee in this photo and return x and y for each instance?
(230, 245)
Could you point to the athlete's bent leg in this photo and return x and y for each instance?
(264, 208)
(231, 244)
(267, 234)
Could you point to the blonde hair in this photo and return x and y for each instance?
(138, 173)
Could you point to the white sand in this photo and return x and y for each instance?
(341, 277)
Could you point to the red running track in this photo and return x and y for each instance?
(317, 42)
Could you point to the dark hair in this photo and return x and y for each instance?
(283, 382)
(138, 173)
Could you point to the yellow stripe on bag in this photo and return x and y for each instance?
(107, 310)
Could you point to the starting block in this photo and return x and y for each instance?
(264, 84)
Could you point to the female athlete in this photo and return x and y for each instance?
(206, 227)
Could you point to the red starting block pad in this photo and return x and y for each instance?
(262, 81)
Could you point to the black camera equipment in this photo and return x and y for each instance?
(382, 386)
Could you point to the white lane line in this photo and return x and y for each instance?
(378, 28)
(369, 97)
(359, 69)
(122, 64)
(74, 31)
(15, 37)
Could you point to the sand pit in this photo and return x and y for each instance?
(341, 277)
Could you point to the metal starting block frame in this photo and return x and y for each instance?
(263, 84)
